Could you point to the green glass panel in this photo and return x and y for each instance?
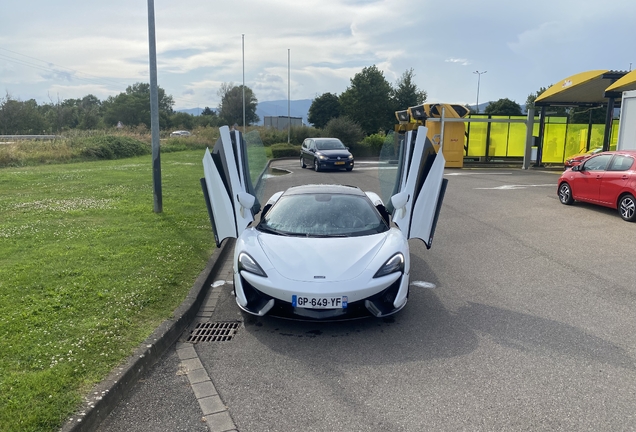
(553, 140)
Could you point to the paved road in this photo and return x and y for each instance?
(530, 327)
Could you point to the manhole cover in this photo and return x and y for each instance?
(213, 332)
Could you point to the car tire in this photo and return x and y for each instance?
(316, 167)
(302, 163)
(565, 194)
(627, 207)
(349, 168)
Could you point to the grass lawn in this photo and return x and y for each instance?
(87, 272)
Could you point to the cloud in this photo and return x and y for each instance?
(461, 61)
(199, 45)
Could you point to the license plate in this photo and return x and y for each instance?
(339, 163)
(308, 302)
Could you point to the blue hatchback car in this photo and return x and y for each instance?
(325, 153)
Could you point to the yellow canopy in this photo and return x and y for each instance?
(584, 87)
(626, 83)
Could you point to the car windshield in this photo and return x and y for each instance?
(329, 145)
(323, 215)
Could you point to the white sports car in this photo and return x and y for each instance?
(323, 252)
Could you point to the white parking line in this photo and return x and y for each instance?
(513, 187)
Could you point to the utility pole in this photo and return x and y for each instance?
(288, 96)
(154, 111)
(479, 74)
(243, 47)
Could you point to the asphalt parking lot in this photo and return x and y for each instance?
(529, 326)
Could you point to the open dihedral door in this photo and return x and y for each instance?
(227, 186)
(420, 175)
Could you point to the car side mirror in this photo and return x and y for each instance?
(246, 200)
(399, 200)
(577, 168)
(312, 150)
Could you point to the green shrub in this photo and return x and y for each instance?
(297, 135)
(281, 150)
(370, 146)
(348, 131)
(114, 147)
(301, 133)
(193, 142)
(271, 136)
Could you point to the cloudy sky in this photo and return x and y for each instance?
(62, 49)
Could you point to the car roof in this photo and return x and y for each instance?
(621, 152)
(324, 139)
(324, 188)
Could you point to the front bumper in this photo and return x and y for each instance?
(335, 164)
(387, 300)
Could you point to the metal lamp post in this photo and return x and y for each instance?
(479, 74)
(154, 111)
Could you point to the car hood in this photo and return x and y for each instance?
(321, 259)
(333, 153)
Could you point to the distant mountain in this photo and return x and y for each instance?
(298, 108)
(192, 111)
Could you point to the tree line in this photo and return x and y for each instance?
(130, 109)
(370, 101)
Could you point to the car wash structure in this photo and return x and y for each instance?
(446, 124)
(451, 135)
(591, 89)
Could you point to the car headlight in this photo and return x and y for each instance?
(394, 264)
(350, 156)
(321, 156)
(247, 263)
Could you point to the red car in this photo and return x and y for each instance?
(578, 158)
(607, 179)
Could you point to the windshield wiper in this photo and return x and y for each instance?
(266, 229)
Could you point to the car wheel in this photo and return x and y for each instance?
(302, 163)
(627, 208)
(565, 194)
(349, 168)
(316, 167)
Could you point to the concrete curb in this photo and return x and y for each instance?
(106, 395)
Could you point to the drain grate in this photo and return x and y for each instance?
(213, 332)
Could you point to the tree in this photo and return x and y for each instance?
(231, 106)
(585, 115)
(504, 107)
(345, 129)
(207, 111)
(90, 110)
(208, 118)
(17, 117)
(324, 108)
(406, 93)
(368, 101)
(181, 120)
(132, 108)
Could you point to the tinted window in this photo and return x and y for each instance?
(597, 163)
(621, 163)
(323, 215)
(333, 144)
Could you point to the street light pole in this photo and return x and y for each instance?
(288, 95)
(243, 50)
(154, 111)
(479, 74)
